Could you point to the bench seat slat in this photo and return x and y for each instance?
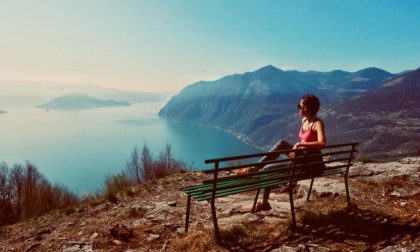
(196, 191)
(242, 183)
(237, 190)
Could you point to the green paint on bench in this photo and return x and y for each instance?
(292, 170)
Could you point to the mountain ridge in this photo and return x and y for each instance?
(260, 109)
(77, 101)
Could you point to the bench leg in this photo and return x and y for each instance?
(187, 218)
(346, 182)
(255, 201)
(310, 189)
(292, 207)
(216, 227)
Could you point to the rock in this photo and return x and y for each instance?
(44, 231)
(243, 218)
(138, 223)
(404, 203)
(180, 230)
(172, 203)
(153, 237)
(32, 247)
(395, 194)
(75, 248)
(93, 236)
(117, 242)
(285, 248)
(121, 232)
(401, 248)
(274, 220)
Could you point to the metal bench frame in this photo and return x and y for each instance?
(220, 186)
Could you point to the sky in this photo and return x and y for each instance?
(164, 45)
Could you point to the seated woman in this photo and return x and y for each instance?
(312, 140)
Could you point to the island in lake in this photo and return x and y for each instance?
(77, 101)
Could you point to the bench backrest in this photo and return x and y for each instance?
(336, 158)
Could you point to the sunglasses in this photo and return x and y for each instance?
(299, 106)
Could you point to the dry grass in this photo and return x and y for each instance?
(236, 237)
(196, 240)
(362, 229)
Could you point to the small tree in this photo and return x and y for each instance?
(147, 163)
(134, 165)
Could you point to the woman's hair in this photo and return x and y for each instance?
(311, 102)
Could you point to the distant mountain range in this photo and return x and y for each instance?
(33, 93)
(385, 120)
(260, 107)
(77, 101)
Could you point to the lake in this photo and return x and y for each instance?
(80, 148)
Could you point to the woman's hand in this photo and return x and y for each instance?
(293, 153)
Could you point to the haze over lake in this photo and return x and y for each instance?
(79, 148)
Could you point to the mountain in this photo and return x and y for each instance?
(76, 101)
(385, 120)
(245, 104)
(33, 93)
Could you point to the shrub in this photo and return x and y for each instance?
(117, 185)
(26, 193)
(111, 197)
(142, 166)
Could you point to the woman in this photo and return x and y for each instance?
(312, 139)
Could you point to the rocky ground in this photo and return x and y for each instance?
(385, 217)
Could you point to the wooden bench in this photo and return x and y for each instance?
(336, 158)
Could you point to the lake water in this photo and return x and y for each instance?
(79, 148)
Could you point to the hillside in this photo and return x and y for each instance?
(260, 107)
(385, 120)
(76, 101)
(385, 218)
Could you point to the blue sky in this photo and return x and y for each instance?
(165, 45)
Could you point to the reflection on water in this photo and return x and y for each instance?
(79, 148)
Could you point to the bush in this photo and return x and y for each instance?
(117, 185)
(111, 197)
(143, 166)
(26, 193)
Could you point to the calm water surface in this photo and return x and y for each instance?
(79, 148)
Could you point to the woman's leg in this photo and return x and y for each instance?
(280, 145)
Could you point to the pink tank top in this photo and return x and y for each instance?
(308, 136)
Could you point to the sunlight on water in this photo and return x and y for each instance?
(79, 148)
